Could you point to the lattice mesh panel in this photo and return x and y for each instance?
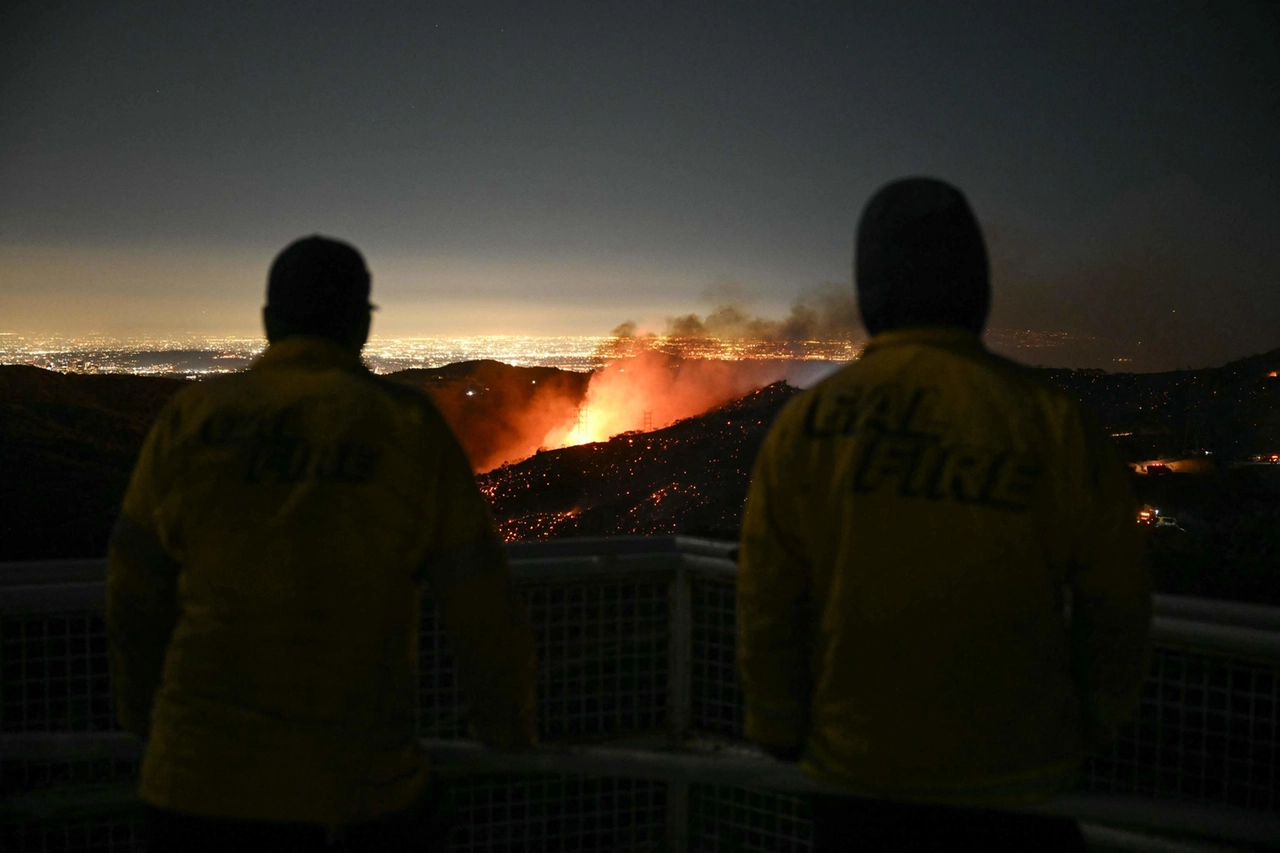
(553, 813)
(602, 662)
(441, 709)
(53, 673)
(602, 651)
(1206, 731)
(724, 819)
(716, 695)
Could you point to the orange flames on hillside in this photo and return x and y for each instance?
(649, 381)
(652, 390)
(503, 414)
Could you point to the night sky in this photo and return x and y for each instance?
(560, 168)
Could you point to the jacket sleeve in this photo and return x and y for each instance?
(141, 585)
(1110, 589)
(774, 625)
(485, 620)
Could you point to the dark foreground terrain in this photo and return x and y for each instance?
(68, 443)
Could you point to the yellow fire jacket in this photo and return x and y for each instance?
(264, 590)
(915, 528)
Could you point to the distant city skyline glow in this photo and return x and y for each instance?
(198, 355)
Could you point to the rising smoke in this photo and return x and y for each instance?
(829, 313)
(648, 380)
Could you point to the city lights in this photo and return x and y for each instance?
(200, 356)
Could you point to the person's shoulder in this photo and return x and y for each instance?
(1029, 381)
(839, 382)
(792, 415)
(999, 367)
(409, 400)
(179, 419)
(1063, 413)
(199, 394)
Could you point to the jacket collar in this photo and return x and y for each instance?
(309, 352)
(946, 337)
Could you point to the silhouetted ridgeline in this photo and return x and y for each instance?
(68, 443)
(67, 446)
(1233, 411)
(507, 407)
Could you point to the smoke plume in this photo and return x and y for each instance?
(648, 381)
(829, 313)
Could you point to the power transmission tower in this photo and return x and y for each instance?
(648, 421)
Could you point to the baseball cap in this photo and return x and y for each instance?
(315, 280)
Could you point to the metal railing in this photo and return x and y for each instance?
(640, 702)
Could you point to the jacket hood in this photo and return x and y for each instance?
(920, 260)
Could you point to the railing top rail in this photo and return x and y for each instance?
(1217, 612)
(619, 545)
(605, 550)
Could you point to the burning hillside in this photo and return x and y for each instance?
(504, 414)
(687, 478)
(647, 381)
(654, 389)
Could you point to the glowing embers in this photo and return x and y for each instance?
(537, 525)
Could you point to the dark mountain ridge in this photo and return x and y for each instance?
(1232, 411)
(68, 443)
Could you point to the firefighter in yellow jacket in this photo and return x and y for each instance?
(918, 526)
(264, 588)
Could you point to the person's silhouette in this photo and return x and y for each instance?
(914, 526)
(264, 589)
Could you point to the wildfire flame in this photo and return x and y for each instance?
(654, 389)
(502, 415)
